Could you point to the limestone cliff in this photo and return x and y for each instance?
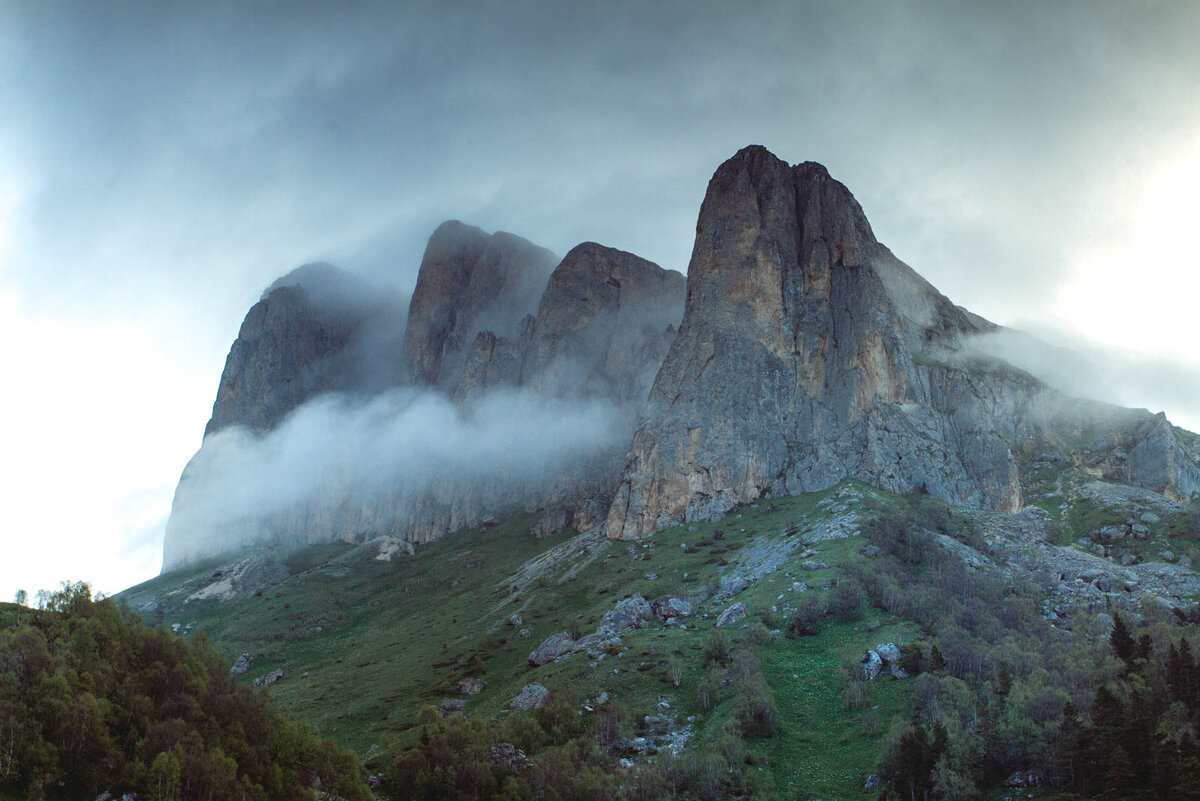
(808, 353)
(602, 327)
(312, 332)
(603, 322)
(469, 282)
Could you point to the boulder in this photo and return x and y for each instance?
(734, 614)
(669, 607)
(241, 665)
(630, 613)
(471, 686)
(888, 652)
(872, 664)
(270, 678)
(532, 696)
(552, 648)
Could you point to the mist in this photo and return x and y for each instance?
(1084, 369)
(343, 467)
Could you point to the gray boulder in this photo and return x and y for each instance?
(532, 696)
(734, 614)
(552, 648)
(630, 613)
(888, 652)
(669, 607)
(240, 666)
(872, 664)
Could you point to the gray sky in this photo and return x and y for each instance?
(162, 162)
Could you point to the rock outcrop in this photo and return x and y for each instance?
(603, 325)
(800, 352)
(808, 353)
(469, 282)
(315, 330)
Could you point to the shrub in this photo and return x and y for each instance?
(716, 648)
(808, 617)
(846, 602)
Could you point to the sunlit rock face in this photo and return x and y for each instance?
(601, 390)
(808, 353)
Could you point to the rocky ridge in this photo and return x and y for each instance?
(808, 353)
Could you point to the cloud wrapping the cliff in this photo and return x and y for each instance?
(1084, 369)
(336, 451)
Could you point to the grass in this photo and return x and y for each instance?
(367, 644)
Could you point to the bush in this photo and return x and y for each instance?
(716, 648)
(756, 715)
(847, 601)
(808, 617)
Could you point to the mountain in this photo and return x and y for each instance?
(784, 531)
(495, 327)
(806, 353)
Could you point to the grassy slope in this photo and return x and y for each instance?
(396, 636)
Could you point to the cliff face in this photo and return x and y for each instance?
(602, 328)
(603, 322)
(808, 353)
(799, 353)
(311, 333)
(469, 282)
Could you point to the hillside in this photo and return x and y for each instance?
(584, 531)
(369, 647)
(94, 704)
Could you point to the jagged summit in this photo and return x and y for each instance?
(799, 352)
(469, 281)
(809, 353)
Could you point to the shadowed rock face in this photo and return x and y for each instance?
(602, 328)
(603, 325)
(313, 331)
(807, 354)
(469, 282)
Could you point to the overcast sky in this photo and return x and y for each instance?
(162, 162)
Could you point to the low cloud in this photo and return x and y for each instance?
(1084, 369)
(353, 468)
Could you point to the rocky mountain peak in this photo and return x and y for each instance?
(299, 340)
(469, 281)
(800, 361)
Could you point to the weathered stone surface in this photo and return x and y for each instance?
(808, 354)
(270, 678)
(552, 648)
(888, 652)
(629, 613)
(532, 696)
(734, 614)
(240, 666)
(309, 334)
(471, 686)
(507, 755)
(872, 664)
(468, 282)
(603, 325)
(669, 607)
